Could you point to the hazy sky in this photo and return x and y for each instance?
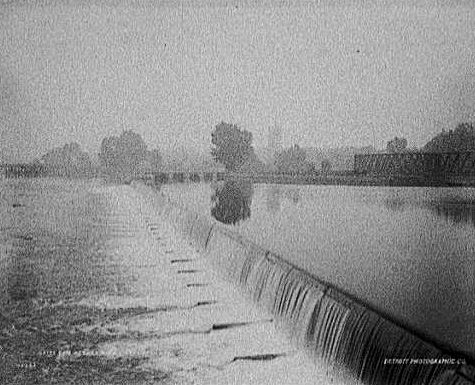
(329, 76)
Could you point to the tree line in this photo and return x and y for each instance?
(122, 157)
(127, 156)
(233, 148)
(460, 139)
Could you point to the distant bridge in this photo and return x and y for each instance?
(17, 170)
(417, 163)
(185, 176)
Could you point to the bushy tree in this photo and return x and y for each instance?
(292, 159)
(253, 165)
(155, 160)
(232, 146)
(67, 161)
(127, 156)
(396, 145)
(462, 138)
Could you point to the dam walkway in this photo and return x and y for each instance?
(198, 329)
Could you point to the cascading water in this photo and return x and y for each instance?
(347, 335)
(334, 327)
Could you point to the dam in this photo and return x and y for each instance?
(351, 245)
(107, 263)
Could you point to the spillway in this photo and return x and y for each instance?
(329, 324)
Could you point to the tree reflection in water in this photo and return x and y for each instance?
(395, 204)
(458, 211)
(293, 195)
(273, 198)
(454, 209)
(231, 202)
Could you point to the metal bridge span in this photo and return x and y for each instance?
(417, 163)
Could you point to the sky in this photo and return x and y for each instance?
(353, 75)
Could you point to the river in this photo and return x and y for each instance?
(409, 253)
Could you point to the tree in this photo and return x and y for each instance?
(67, 161)
(232, 146)
(396, 145)
(252, 165)
(125, 156)
(292, 160)
(462, 138)
(155, 160)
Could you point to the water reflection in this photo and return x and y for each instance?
(395, 204)
(273, 198)
(231, 203)
(293, 195)
(275, 193)
(452, 209)
(455, 211)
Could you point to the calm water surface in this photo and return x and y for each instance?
(408, 252)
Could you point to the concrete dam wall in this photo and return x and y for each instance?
(330, 325)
